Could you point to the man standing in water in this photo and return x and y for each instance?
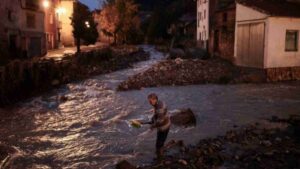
(161, 121)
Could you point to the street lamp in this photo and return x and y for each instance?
(46, 3)
(87, 24)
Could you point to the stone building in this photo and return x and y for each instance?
(215, 27)
(23, 28)
(223, 30)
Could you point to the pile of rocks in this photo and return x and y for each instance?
(252, 147)
(190, 71)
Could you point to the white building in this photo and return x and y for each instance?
(267, 34)
(203, 7)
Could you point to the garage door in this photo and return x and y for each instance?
(250, 45)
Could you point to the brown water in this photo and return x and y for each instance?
(90, 130)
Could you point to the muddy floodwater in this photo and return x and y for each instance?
(90, 129)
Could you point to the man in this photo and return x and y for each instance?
(161, 121)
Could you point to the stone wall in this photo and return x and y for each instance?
(283, 74)
(21, 79)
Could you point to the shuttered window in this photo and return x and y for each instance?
(291, 40)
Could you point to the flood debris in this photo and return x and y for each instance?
(249, 147)
(192, 71)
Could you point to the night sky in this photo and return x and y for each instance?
(92, 4)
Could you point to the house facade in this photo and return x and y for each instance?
(215, 27)
(223, 32)
(65, 13)
(51, 24)
(203, 22)
(267, 34)
(23, 28)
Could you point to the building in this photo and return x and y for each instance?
(223, 31)
(51, 23)
(65, 12)
(23, 27)
(213, 19)
(267, 34)
(204, 8)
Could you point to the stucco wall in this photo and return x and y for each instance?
(66, 27)
(203, 25)
(276, 55)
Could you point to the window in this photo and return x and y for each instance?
(291, 40)
(200, 16)
(30, 20)
(225, 17)
(51, 19)
(200, 38)
(33, 4)
(9, 15)
(204, 14)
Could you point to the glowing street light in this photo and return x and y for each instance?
(87, 24)
(46, 3)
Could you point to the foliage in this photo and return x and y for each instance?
(165, 14)
(120, 19)
(81, 16)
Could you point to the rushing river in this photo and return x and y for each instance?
(90, 129)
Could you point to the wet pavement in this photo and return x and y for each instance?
(90, 129)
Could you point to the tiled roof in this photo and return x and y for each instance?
(273, 7)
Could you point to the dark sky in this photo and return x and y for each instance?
(92, 4)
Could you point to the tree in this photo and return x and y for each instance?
(164, 14)
(109, 20)
(119, 18)
(83, 24)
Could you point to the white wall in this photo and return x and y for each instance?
(276, 55)
(203, 25)
(244, 14)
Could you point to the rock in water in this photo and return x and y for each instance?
(125, 165)
(183, 117)
(175, 53)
